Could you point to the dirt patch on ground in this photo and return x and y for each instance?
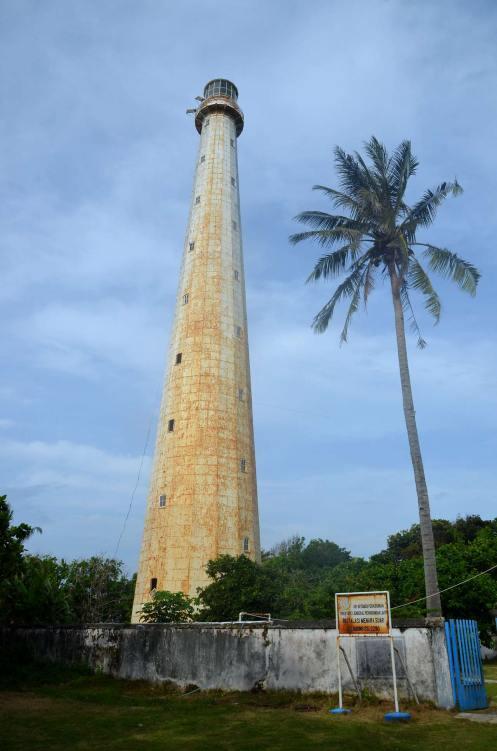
(25, 701)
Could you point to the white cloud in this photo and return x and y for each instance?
(85, 340)
(78, 494)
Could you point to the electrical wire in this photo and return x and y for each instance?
(441, 591)
(136, 485)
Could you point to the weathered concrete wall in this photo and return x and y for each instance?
(243, 657)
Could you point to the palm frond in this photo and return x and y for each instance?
(340, 200)
(353, 179)
(323, 220)
(354, 304)
(448, 264)
(347, 288)
(327, 238)
(368, 282)
(381, 161)
(403, 165)
(378, 155)
(424, 211)
(419, 280)
(333, 263)
(413, 324)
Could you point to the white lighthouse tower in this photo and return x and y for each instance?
(203, 491)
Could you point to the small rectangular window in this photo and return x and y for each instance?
(233, 181)
(179, 357)
(236, 275)
(232, 142)
(197, 200)
(243, 465)
(238, 331)
(186, 297)
(153, 584)
(192, 245)
(245, 544)
(162, 501)
(202, 158)
(234, 224)
(170, 426)
(241, 395)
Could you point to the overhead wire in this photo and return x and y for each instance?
(441, 591)
(145, 447)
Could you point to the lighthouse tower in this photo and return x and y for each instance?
(203, 492)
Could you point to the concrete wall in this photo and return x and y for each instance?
(243, 657)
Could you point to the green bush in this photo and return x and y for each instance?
(167, 607)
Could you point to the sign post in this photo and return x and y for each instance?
(365, 614)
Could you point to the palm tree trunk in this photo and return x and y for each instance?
(433, 603)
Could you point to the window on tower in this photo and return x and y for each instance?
(236, 274)
(197, 200)
(192, 245)
(232, 142)
(243, 465)
(179, 357)
(238, 331)
(206, 122)
(202, 158)
(233, 181)
(162, 501)
(153, 583)
(245, 544)
(186, 297)
(241, 395)
(170, 426)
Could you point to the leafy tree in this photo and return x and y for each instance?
(467, 528)
(239, 584)
(323, 554)
(98, 590)
(377, 236)
(289, 587)
(12, 539)
(290, 548)
(39, 594)
(407, 543)
(293, 554)
(167, 607)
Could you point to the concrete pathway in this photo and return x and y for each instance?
(490, 718)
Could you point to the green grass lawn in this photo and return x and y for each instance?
(50, 709)
(490, 670)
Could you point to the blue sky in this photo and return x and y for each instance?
(95, 182)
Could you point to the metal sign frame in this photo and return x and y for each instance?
(388, 636)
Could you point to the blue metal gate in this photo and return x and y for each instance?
(466, 668)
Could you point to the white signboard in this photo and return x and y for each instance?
(363, 613)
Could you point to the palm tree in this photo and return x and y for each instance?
(376, 236)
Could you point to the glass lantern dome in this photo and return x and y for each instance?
(221, 87)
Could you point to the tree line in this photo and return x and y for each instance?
(296, 580)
